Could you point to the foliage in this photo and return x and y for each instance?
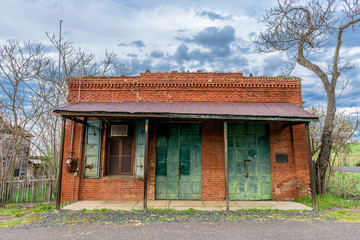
(346, 184)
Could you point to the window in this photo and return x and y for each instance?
(120, 154)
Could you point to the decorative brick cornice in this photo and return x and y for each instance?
(183, 81)
(178, 85)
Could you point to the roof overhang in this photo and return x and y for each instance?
(190, 110)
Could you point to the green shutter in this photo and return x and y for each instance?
(92, 149)
(140, 149)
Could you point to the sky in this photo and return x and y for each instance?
(165, 35)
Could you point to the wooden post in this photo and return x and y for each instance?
(63, 125)
(311, 167)
(145, 162)
(226, 167)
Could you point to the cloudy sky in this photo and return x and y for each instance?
(165, 35)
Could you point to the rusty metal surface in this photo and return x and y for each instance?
(197, 108)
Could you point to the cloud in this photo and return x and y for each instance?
(273, 64)
(182, 30)
(157, 54)
(138, 43)
(181, 53)
(210, 49)
(213, 16)
(131, 55)
(215, 36)
(216, 40)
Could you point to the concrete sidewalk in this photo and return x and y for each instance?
(186, 204)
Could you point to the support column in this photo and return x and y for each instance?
(226, 167)
(58, 196)
(146, 162)
(312, 170)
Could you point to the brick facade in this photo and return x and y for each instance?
(289, 181)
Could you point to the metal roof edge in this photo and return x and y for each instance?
(182, 116)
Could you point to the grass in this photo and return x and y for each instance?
(160, 219)
(355, 154)
(336, 207)
(267, 210)
(346, 183)
(13, 215)
(330, 201)
(30, 195)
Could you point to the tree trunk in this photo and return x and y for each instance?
(323, 160)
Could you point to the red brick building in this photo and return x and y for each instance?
(191, 131)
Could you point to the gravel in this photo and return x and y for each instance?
(69, 218)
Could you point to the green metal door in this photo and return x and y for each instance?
(178, 161)
(249, 162)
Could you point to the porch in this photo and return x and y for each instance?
(186, 204)
(170, 152)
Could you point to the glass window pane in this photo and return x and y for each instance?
(127, 147)
(114, 147)
(126, 164)
(114, 165)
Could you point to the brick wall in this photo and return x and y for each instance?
(213, 167)
(212, 87)
(289, 181)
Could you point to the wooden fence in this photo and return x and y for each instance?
(32, 190)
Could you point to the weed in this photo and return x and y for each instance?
(260, 210)
(101, 210)
(44, 208)
(191, 210)
(65, 204)
(135, 210)
(233, 217)
(165, 210)
(160, 219)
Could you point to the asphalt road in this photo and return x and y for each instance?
(195, 230)
(348, 169)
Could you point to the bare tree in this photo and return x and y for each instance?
(345, 127)
(303, 31)
(74, 62)
(21, 69)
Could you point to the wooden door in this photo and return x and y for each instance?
(249, 162)
(178, 161)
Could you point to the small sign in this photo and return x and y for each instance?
(282, 158)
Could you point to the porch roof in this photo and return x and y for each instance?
(202, 110)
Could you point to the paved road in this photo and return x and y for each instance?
(348, 169)
(196, 230)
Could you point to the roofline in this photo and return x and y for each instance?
(68, 114)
